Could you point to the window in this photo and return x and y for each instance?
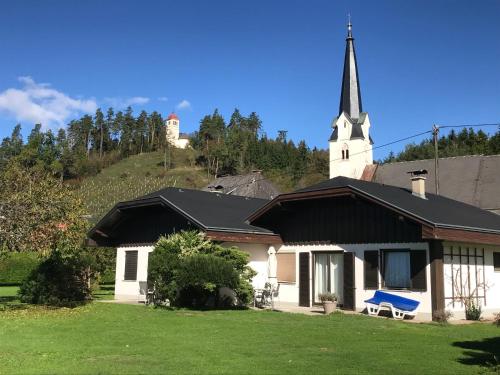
(496, 262)
(397, 272)
(345, 152)
(130, 266)
(285, 267)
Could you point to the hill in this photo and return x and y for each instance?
(139, 175)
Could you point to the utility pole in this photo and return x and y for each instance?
(435, 132)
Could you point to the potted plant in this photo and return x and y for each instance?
(329, 301)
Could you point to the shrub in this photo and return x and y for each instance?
(473, 312)
(16, 267)
(200, 277)
(171, 263)
(496, 319)
(57, 281)
(442, 316)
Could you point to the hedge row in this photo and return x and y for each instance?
(16, 267)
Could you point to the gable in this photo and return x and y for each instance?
(338, 219)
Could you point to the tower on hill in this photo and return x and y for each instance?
(350, 142)
(174, 137)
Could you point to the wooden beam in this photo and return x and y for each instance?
(437, 277)
(244, 237)
(460, 235)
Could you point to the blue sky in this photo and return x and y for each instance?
(420, 62)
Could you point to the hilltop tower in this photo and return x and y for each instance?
(350, 142)
(174, 137)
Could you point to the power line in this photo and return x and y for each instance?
(467, 126)
(387, 144)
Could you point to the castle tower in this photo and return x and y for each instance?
(172, 125)
(350, 142)
(174, 137)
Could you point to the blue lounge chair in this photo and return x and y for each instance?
(399, 306)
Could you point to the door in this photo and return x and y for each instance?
(304, 296)
(328, 275)
(349, 286)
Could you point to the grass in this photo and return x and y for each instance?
(102, 338)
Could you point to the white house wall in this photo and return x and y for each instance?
(485, 273)
(258, 260)
(289, 292)
(135, 290)
(126, 289)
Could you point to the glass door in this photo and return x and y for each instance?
(328, 275)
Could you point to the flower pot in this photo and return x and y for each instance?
(329, 307)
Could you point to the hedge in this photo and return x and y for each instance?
(16, 267)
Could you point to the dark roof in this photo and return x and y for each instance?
(212, 211)
(470, 179)
(207, 211)
(356, 129)
(253, 185)
(350, 97)
(436, 210)
(183, 136)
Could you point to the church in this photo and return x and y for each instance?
(347, 235)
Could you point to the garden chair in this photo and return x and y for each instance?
(399, 306)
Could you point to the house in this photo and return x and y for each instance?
(472, 179)
(174, 137)
(348, 235)
(344, 235)
(253, 185)
(134, 227)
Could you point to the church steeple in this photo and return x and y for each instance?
(350, 97)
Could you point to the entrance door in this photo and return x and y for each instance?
(304, 279)
(328, 275)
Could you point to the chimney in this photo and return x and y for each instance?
(418, 183)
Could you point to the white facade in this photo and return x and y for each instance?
(349, 155)
(469, 267)
(173, 132)
(136, 289)
(289, 292)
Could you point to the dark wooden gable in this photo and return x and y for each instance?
(342, 219)
(143, 225)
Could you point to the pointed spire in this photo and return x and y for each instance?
(350, 97)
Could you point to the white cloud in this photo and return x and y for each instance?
(39, 103)
(184, 104)
(163, 99)
(120, 103)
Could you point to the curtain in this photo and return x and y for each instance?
(337, 276)
(320, 274)
(397, 269)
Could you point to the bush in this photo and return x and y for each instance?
(496, 319)
(57, 281)
(16, 267)
(187, 269)
(323, 297)
(442, 316)
(199, 279)
(473, 312)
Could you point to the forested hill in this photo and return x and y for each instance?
(114, 156)
(465, 142)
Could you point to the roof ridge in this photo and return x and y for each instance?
(447, 157)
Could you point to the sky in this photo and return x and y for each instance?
(420, 62)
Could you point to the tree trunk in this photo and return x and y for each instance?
(102, 141)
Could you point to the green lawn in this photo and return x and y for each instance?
(123, 339)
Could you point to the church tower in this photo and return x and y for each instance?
(350, 142)
(172, 125)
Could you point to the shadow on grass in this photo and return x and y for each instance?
(484, 352)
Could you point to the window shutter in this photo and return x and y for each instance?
(418, 261)
(130, 265)
(286, 267)
(304, 295)
(371, 269)
(349, 285)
